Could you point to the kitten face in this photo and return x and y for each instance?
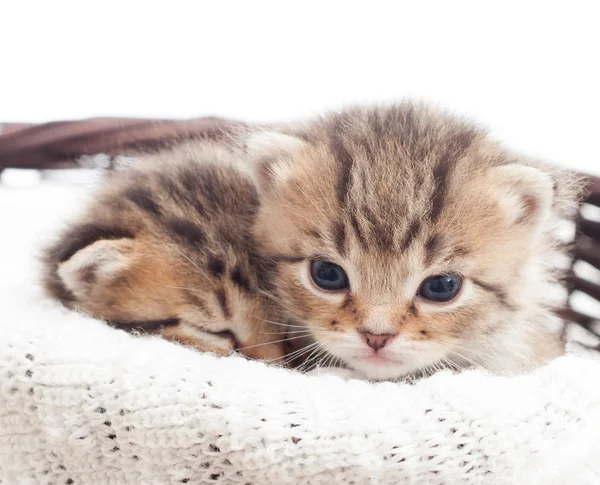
(406, 240)
(167, 250)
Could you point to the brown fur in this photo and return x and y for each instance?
(392, 195)
(166, 248)
(396, 194)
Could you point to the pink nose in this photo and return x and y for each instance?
(377, 342)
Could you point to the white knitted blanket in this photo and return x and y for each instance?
(81, 403)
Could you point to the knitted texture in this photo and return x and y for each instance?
(83, 403)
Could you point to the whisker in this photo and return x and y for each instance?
(451, 365)
(309, 349)
(322, 363)
(293, 355)
(195, 290)
(292, 212)
(322, 360)
(269, 343)
(458, 345)
(303, 328)
(314, 203)
(478, 366)
(292, 332)
(309, 360)
(333, 361)
(295, 358)
(281, 324)
(202, 272)
(484, 353)
(268, 295)
(427, 363)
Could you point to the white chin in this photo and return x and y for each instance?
(381, 370)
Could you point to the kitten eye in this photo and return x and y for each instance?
(328, 276)
(226, 334)
(440, 288)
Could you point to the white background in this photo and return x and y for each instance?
(526, 69)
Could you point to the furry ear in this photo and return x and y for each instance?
(95, 265)
(269, 156)
(524, 193)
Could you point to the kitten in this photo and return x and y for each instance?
(165, 248)
(407, 240)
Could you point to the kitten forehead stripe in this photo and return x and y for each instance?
(385, 237)
(284, 258)
(443, 170)
(460, 251)
(357, 230)
(143, 198)
(216, 266)
(222, 299)
(187, 231)
(440, 179)
(313, 233)
(432, 248)
(345, 163)
(339, 237)
(411, 234)
(240, 279)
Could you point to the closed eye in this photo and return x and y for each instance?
(156, 325)
(225, 334)
(144, 325)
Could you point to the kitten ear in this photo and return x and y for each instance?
(95, 265)
(524, 193)
(269, 156)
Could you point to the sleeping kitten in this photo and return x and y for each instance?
(166, 248)
(407, 240)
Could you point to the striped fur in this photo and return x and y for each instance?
(395, 194)
(166, 248)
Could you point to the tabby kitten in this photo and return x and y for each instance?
(407, 240)
(165, 247)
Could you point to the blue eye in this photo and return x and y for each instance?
(328, 276)
(440, 288)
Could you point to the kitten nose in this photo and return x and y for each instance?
(377, 341)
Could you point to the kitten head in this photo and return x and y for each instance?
(167, 250)
(406, 240)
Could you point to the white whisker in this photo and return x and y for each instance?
(296, 353)
(269, 343)
(475, 364)
(310, 359)
(195, 290)
(202, 272)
